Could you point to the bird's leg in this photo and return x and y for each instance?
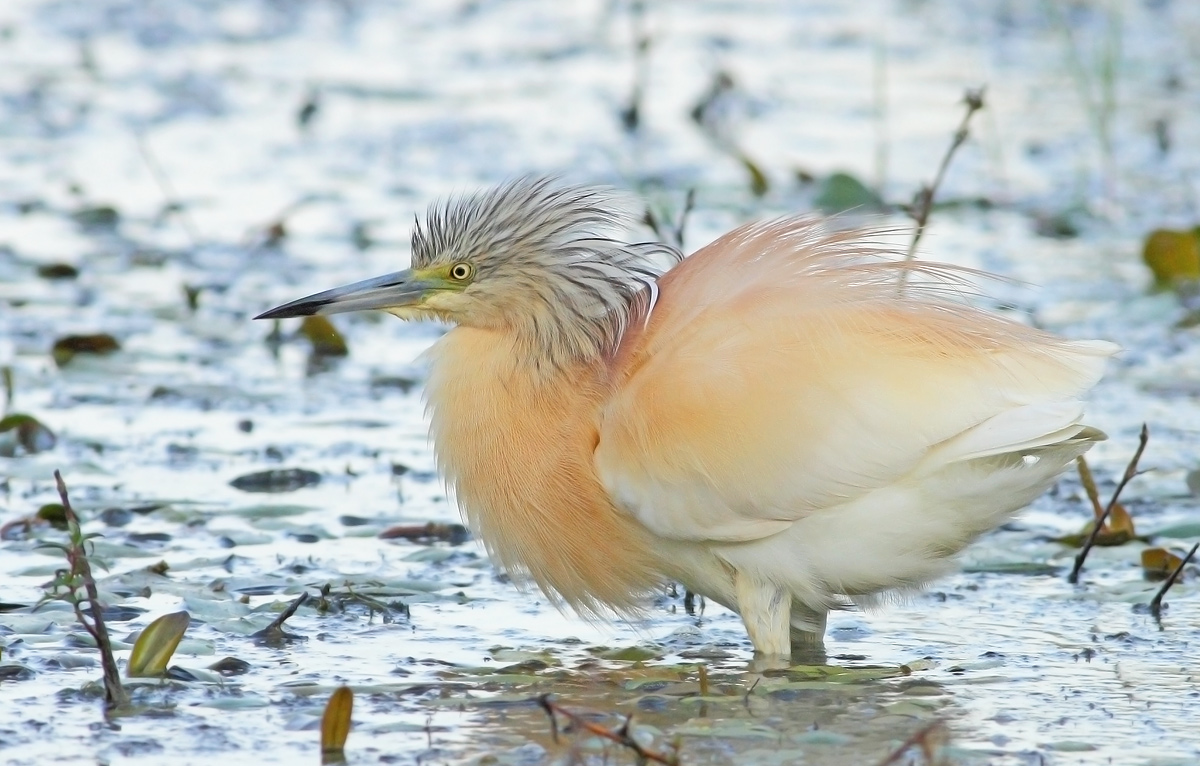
(766, 609)
(808, 634)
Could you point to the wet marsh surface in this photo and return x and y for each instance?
(169, 170)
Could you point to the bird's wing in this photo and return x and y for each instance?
(783, 371)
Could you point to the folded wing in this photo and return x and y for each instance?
(783, 372)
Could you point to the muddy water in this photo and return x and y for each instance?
(154, 146)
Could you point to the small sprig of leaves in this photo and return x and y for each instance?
(76, 586)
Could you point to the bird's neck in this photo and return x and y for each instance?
(515, 443)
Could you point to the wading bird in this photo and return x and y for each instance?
(773, 421)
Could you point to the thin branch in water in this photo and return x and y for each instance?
(931, 739)
(168, 191)
(923, 204)
(1131, 471)
(675, 235)
(631, 115)
(274, 633)
(621, 735)
(115, 695)
(1156, 603)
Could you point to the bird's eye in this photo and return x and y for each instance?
(461, 271)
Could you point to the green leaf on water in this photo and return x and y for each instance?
(838, 674)
(154, 647)
(1179, 531)
(628, 653)
(26, 434)
(841, 192)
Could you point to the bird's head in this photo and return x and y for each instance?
(533, 257)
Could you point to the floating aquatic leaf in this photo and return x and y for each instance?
(154, 647)
(97, 217)
(24, 434)
(429, 555)
(335, 723)
(14, 672)
(240, 702)
(1031, 568)
(1070, 746)
(821, 737)
(271, 511)
(66, 348)
(230, 666)
(324, 337)
(57, 271)
(839, 674)
(277, 480)
(1179, 531)
(193, 675)
(629, 653)
(1172, 256)
(455, 534)
(1118, 530)
(1060, 225)
(841, 192)
(1159, 563)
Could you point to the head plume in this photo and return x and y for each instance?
(549, 264)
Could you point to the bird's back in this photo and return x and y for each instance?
(784, 373)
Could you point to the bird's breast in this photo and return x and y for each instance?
(516, 446)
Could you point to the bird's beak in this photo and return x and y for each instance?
(397, 290)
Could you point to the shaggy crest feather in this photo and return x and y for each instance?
(548, 264)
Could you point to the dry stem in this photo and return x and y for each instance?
(114, 692)
(1156, 603)
(929, 738)
(621, 736)
(923, 204)
(1130, 472)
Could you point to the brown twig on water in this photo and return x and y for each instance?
(1156, 602)
(929, 738)
(275, 632)
(923, 203)
(80, 573)
(1131, 471)
(621, 736)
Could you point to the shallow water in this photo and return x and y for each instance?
(135, 105)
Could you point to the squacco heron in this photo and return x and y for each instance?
(770, 421)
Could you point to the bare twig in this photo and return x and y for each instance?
(923, 204)
(621, 736)
(631, 115)
(1156, 603)
(275, 632)
(676, 232)
(81, 572)
(1131, 471)
(168, 191)
(929, 738)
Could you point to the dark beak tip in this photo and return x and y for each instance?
(289, 310)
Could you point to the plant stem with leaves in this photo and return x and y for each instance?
(66, 586)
